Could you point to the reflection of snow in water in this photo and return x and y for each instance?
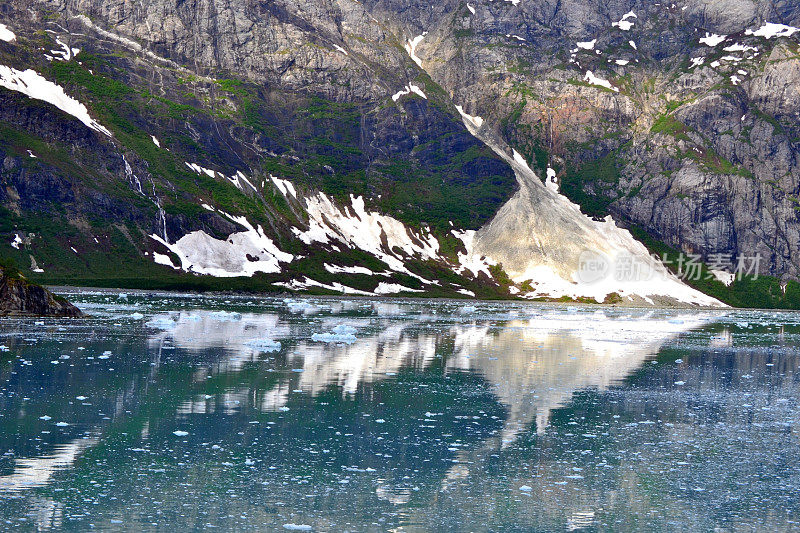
(533, 365)
(30, 473)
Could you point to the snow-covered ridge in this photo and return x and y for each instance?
(34, 85)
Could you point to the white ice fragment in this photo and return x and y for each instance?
(587, 45)
(45, 418)
(180, 433)
(61, 424)
(525, 488)
(264, 345)
(297, 527)
(136, 316)
(33, 85)
(633, 45)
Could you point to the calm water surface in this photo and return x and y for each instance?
(169, 412)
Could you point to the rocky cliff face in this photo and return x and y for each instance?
(268, 139)
(20, 298)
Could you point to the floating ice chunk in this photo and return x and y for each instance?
(180, 433)
(45, 418)
(712, 39)
(297, 527)
(264, 345)
(525, 488)
(6, 34)
(61, 424)
(80, 398)
(343, 329)
(33, 85)
(226, 316)
(600, 82)
(680, 383)
(161, 322)
(380, 421)
(770, 30)
(343, 338)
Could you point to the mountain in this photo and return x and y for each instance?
(490, 148)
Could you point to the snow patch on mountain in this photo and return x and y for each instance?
(34, 85)
(242, 254)
(6, 34)
(542, 238)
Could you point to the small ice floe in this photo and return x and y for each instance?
(161, 322)
(80, 398)
(136, 316)
(226, 316)
(264, 345)
(106, 355)
(61, 424)
(526, 488)
(45, 418)
(297, 527)
(180, 433)
(680, 383)
(340, 334)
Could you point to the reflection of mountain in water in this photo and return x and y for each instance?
(534, 364)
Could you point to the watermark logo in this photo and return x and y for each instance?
(594, 266)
